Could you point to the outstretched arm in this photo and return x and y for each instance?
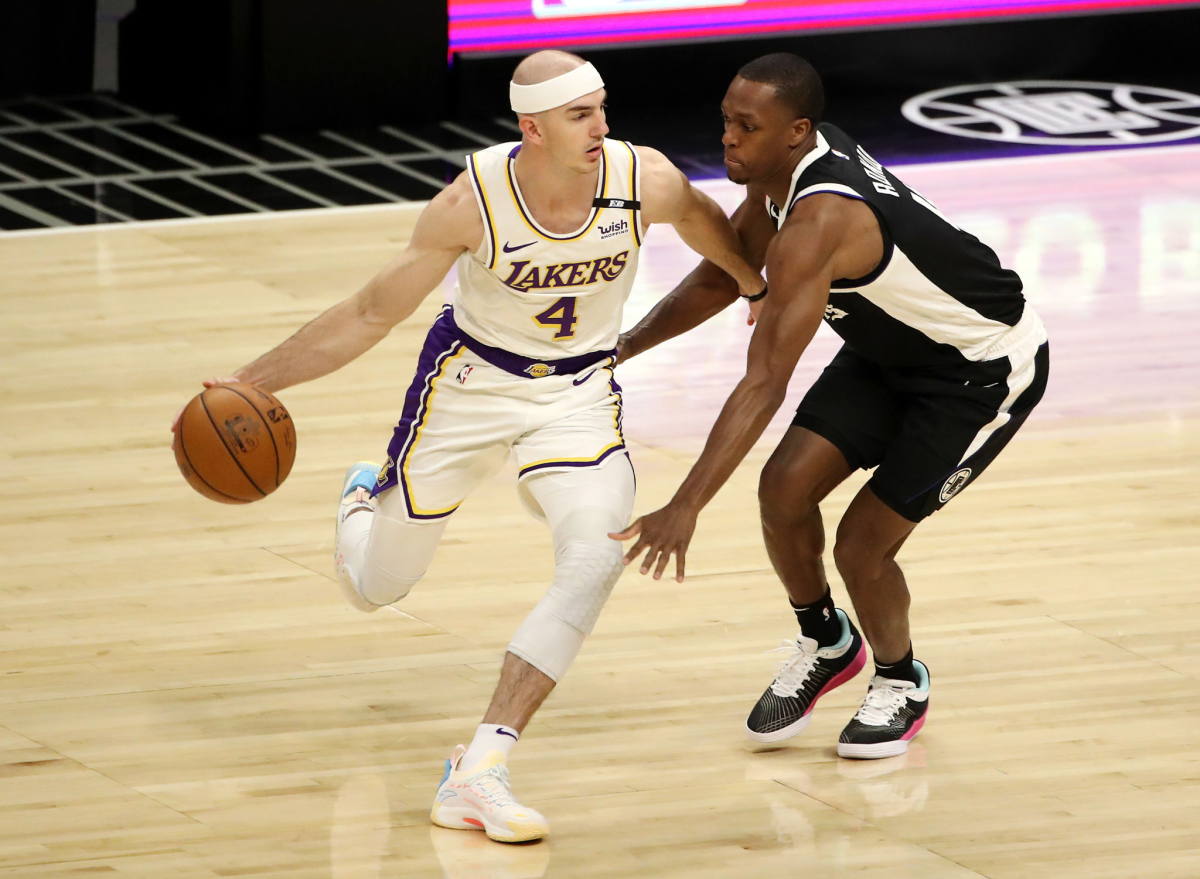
(668, 197)
(447, 227)
(706, 291)
(803, 259)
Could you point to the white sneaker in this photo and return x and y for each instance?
(480, 798)
(355, 498)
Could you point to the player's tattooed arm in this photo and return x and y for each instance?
(449, 225)
(669, 197)
(802, 261)
(707, 290)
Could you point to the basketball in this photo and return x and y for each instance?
(235, 444)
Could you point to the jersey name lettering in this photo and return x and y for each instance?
(524, 276)
(875, 172)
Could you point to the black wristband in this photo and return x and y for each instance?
(756, 297)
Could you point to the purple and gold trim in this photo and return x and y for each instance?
(633, 192)
(514, 189)
(527, 367)
(444, 344)
(559, 464)
(442, 347)
(485, 209)
(603, 455)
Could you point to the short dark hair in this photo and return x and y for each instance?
(796, 83)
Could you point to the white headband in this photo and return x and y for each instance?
(554, 92)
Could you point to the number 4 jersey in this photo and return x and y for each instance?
(545, 295)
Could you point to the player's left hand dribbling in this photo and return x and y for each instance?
(662, 533)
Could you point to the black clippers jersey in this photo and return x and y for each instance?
(939, 298)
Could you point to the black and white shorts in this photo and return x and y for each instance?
(929, 434)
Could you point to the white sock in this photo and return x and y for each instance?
(489, 737)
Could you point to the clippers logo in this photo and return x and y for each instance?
(576, 8)
(1059, 112)
(461, 378)
(243, 433)
(525, 276)
(617, 228)
(954, 484)
(539, 370)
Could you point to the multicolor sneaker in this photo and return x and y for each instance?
(806, 674)
(480, 798)
(892, 713)
(355, 497)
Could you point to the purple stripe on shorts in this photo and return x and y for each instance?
(620, 447)
(442, 341)
(557, 465)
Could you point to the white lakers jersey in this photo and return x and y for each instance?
(540, 294)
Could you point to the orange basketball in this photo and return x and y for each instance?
(235, 444)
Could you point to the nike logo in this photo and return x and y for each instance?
(577, 382)
(503, 732)
(508, 249)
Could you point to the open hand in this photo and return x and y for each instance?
(662, 533)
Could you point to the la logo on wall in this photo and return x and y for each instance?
(1059, 113)
(573, 8)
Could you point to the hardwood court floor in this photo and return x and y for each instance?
(185, 695)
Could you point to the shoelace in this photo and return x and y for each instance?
(793, 671)
(882, 703)
(495, 785)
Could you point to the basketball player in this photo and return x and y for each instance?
(545, 234)
(942, 363)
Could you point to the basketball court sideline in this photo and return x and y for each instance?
(186, 694)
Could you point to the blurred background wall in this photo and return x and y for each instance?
(255, 65)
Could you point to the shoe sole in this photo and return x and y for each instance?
(879, 750)
(846, 674)
(471, 819)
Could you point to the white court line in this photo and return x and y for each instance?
(420, 205)
(223, 218)
(1052, 157)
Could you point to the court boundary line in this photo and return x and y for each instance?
(307, 213)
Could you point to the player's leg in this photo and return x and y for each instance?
(868, 539)
(452, 435)
(801, 471)
(948, 436)
(844, 422)
(581, 505)
(381, 553)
